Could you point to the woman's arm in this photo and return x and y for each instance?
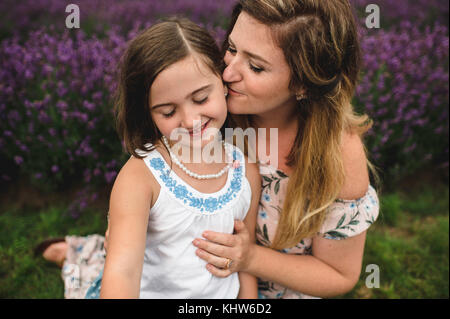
(332, 270)
(335, 265)
(129, 209)
(248, 282)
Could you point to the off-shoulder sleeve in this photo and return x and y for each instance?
(348, 218)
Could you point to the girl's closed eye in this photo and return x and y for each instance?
(167, 115)
(202, 101)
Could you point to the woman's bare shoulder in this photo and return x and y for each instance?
(355, 167)
(252, 173)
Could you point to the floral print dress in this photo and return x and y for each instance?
(85, 259)
(345, 218)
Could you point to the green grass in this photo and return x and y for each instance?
(22, 275)
(409, 242)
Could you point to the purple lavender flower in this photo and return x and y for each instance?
(18, 160)
(53, 80)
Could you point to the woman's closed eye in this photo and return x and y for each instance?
(252, 67)
(256, 69)
(231, 50)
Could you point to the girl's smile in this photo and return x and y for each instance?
(202, 129)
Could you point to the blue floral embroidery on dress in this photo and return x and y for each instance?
(181, 192)
(211, 204)
(157, 163)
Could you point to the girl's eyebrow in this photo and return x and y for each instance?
(252, 55)
(189, 95)
(198, 90)
(161, 105)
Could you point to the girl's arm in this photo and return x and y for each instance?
(129, 211)
(248, 282)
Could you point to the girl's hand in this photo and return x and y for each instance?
(220, 247)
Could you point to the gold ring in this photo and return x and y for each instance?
(229, 263)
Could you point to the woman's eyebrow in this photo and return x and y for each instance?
(188, 96)
(252, 55)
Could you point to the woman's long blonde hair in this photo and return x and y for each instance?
(320, 43)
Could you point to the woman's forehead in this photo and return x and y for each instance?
(250, 35)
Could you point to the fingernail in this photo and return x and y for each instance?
(205, 234)
(195, 242)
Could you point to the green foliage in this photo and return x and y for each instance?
(410, 247)
(390, 209)
(413, 256)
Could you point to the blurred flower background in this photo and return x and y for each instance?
(56, 84)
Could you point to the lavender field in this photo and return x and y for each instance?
(56, 83)
(56, 88)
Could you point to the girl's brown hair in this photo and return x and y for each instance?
(147, 55)
(320, 44)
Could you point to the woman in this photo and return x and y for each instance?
(293, 65)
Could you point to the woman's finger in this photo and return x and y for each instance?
(218, 262)
(239, 226)
(220, 238)
(213, 248)
(218, 272)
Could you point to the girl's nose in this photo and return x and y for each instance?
(191, 121)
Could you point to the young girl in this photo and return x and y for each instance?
(171, 83)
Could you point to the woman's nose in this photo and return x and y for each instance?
(231, 73)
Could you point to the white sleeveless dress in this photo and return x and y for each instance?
(180, 214)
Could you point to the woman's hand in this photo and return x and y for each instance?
(220, 247)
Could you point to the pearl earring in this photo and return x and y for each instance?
(300, 96)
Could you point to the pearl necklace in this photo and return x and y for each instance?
(189, 172)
